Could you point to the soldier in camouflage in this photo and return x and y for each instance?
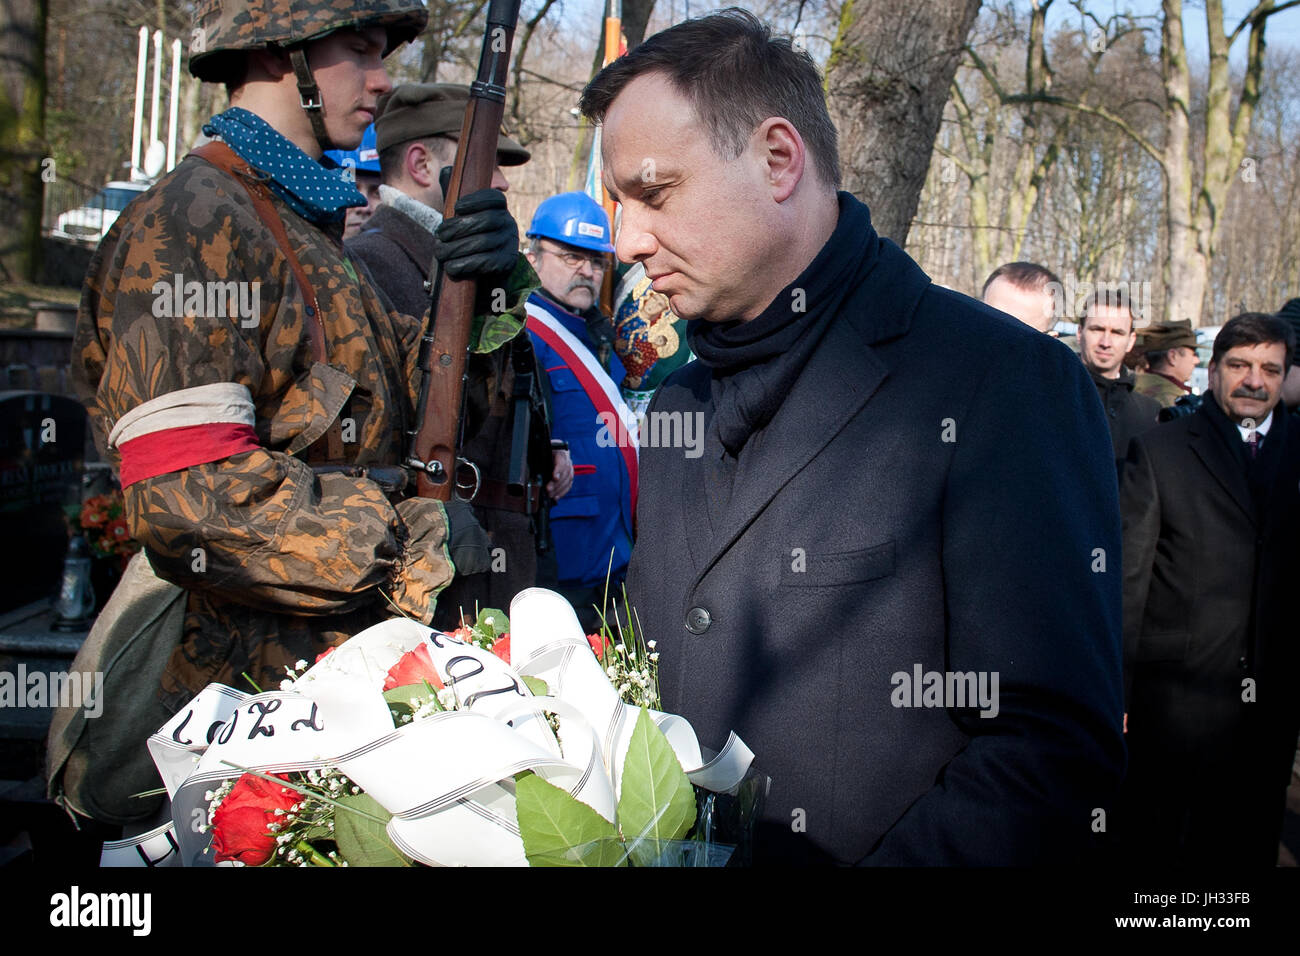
(248, 416)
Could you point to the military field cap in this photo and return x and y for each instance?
(420, 110)
(1167, 335)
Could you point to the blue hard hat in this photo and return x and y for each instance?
(574, 219)
(365, 158)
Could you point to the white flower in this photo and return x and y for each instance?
(651, 645)
(300, 666)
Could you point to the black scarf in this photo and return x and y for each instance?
(756, 362)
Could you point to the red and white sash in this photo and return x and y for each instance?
(595, 381)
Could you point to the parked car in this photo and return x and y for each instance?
(90, 222)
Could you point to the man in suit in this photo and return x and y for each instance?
(891, 570)
(1211, 515)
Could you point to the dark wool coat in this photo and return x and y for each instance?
(1128, 413)
(1209, 572)
(936, 489)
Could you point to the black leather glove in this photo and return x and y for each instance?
(468, 543)
(481, 240)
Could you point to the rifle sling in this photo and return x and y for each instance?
(225, 159)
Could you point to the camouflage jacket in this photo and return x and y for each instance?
(1164, 390)
(217, 401)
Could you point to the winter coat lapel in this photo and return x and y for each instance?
(837, 382)
(1220, 462)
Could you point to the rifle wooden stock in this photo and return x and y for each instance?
(445, 347)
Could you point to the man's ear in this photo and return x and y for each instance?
(268, 64)
(782, 150)
(419, 164)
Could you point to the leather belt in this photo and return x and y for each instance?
(496, 495)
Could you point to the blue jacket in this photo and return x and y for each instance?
(595, 517)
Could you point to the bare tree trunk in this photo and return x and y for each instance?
(22, 136)
(888, 78)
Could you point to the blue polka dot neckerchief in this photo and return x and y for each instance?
(317, 193)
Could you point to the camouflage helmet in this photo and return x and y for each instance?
(224, 27)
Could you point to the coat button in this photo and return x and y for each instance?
(698, 620)
(1242, 663)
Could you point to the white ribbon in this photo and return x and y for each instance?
(447, 779)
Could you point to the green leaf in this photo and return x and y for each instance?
(656, 801)
(559, 830)
(362, 841)
(500, 623)
(537, 686)
(399, 701)
(317, 832)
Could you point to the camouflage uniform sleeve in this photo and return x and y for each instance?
(256, 527)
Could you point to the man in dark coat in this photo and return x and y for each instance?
(892, 571)
(1211, 518)
(1106, 334)
(416, 132)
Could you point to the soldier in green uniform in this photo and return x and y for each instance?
(1170, 349)
(250, 385)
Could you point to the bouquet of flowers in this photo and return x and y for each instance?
(506, 742)
(102, 519)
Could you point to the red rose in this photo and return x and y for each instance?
(501, 647)
(414, 667)
(325, 653)
(239, 827)
(598, 645)
(462, 634)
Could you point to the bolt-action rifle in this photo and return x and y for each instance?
(444, 349)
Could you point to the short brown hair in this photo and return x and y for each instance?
(1112, 296)
(736, 74)
(392, 159)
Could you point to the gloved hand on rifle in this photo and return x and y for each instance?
(468, 543)
(482, 239)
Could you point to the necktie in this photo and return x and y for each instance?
(1252, 444)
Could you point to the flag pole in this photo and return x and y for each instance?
(613, 50)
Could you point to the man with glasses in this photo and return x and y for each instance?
(592, 526)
